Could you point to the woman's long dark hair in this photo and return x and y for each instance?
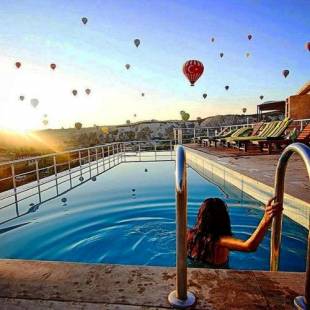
(213, 221)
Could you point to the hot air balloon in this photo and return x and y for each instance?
(193, 70)
(142, 94)
(137, 42)
(204, 96)
(221, 55)
(308, 46)
(53, 66)
(127, 66)
(45, 115)
(285, 73)
(212, 39)
(244, 110)
(21, 98)
(18, 64)
(249, 36)
(34, 102)
(74, 92)
(135, 115)
(226, 87)
(247, 54)
(87, 91)
(261, 97)
(45, 122)
(84, 20)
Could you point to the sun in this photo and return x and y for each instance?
(21, 121)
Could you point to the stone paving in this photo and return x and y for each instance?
(262, 168)
(56, 285)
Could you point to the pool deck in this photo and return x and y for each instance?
(261, 167)
(56, 285)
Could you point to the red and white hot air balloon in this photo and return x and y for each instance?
(308, 46)
(53, 66)
(193, 70)
(18, 64)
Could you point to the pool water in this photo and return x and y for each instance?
(127, 216)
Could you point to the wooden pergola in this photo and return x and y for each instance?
(278, 106)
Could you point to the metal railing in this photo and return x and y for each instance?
(301, 302)
(42, 178)
(181, 298)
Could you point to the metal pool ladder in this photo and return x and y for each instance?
(181, 298)
(300, 302)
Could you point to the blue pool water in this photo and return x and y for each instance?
(127, 216)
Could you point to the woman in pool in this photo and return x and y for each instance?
(210, 240)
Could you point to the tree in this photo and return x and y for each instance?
(199, 120)
(78, 125)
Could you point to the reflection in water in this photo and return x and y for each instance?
(142, 226)
(3, 230)
(35, 206)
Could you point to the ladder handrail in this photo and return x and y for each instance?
(181, 298)
(304, 152)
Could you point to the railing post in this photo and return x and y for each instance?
(38, 180)
(113, 154)
(55, 173)
(15, 188)
(97, 160)
(102, 151)
(117, 153)
(171, 150)
(109, 156)
(123, 152)
(139, 150)
(181, 298)
(89, 164)
(155, 150)
(125, 156)
(69, 168)
(301, 302)
(175, 135)
(180, 140)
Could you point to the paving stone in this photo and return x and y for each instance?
(83, 286)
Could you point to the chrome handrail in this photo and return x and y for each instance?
(181, 298)
(301, 302)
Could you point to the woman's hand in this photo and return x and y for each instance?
(272, 209)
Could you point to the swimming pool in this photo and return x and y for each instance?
(127, 216)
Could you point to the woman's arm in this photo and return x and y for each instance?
(250, 245)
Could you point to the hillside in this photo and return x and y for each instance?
(15, 145)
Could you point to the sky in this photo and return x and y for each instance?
(38, 33)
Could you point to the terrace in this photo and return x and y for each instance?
(72, 285)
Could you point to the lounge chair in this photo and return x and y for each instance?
(303, 137)
(241, 132)
(226, 134)
(272, 130)
(200, 138)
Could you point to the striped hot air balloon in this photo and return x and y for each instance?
(193, 70)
